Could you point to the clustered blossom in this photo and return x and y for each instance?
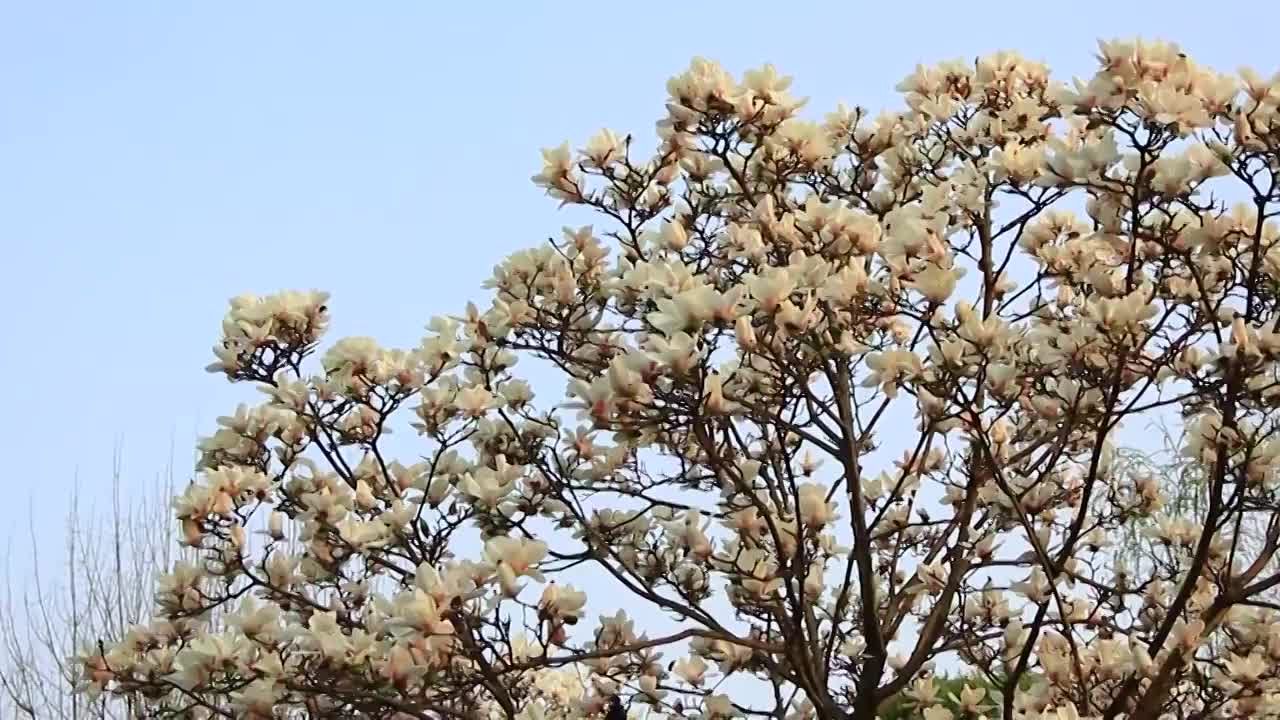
(842, 403)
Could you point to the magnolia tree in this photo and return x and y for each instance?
(843, 403)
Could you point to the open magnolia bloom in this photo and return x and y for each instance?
(840, 410)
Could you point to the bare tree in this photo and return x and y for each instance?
(103, 585)
(1141, 550)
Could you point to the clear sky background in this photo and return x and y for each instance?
(157, 158)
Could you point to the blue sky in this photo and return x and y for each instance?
(157, 158)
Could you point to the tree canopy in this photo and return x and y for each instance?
(840, 414)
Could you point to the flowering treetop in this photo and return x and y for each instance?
(765, 303)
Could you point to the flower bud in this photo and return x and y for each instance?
(275, 525)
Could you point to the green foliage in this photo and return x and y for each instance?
(903, 708)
